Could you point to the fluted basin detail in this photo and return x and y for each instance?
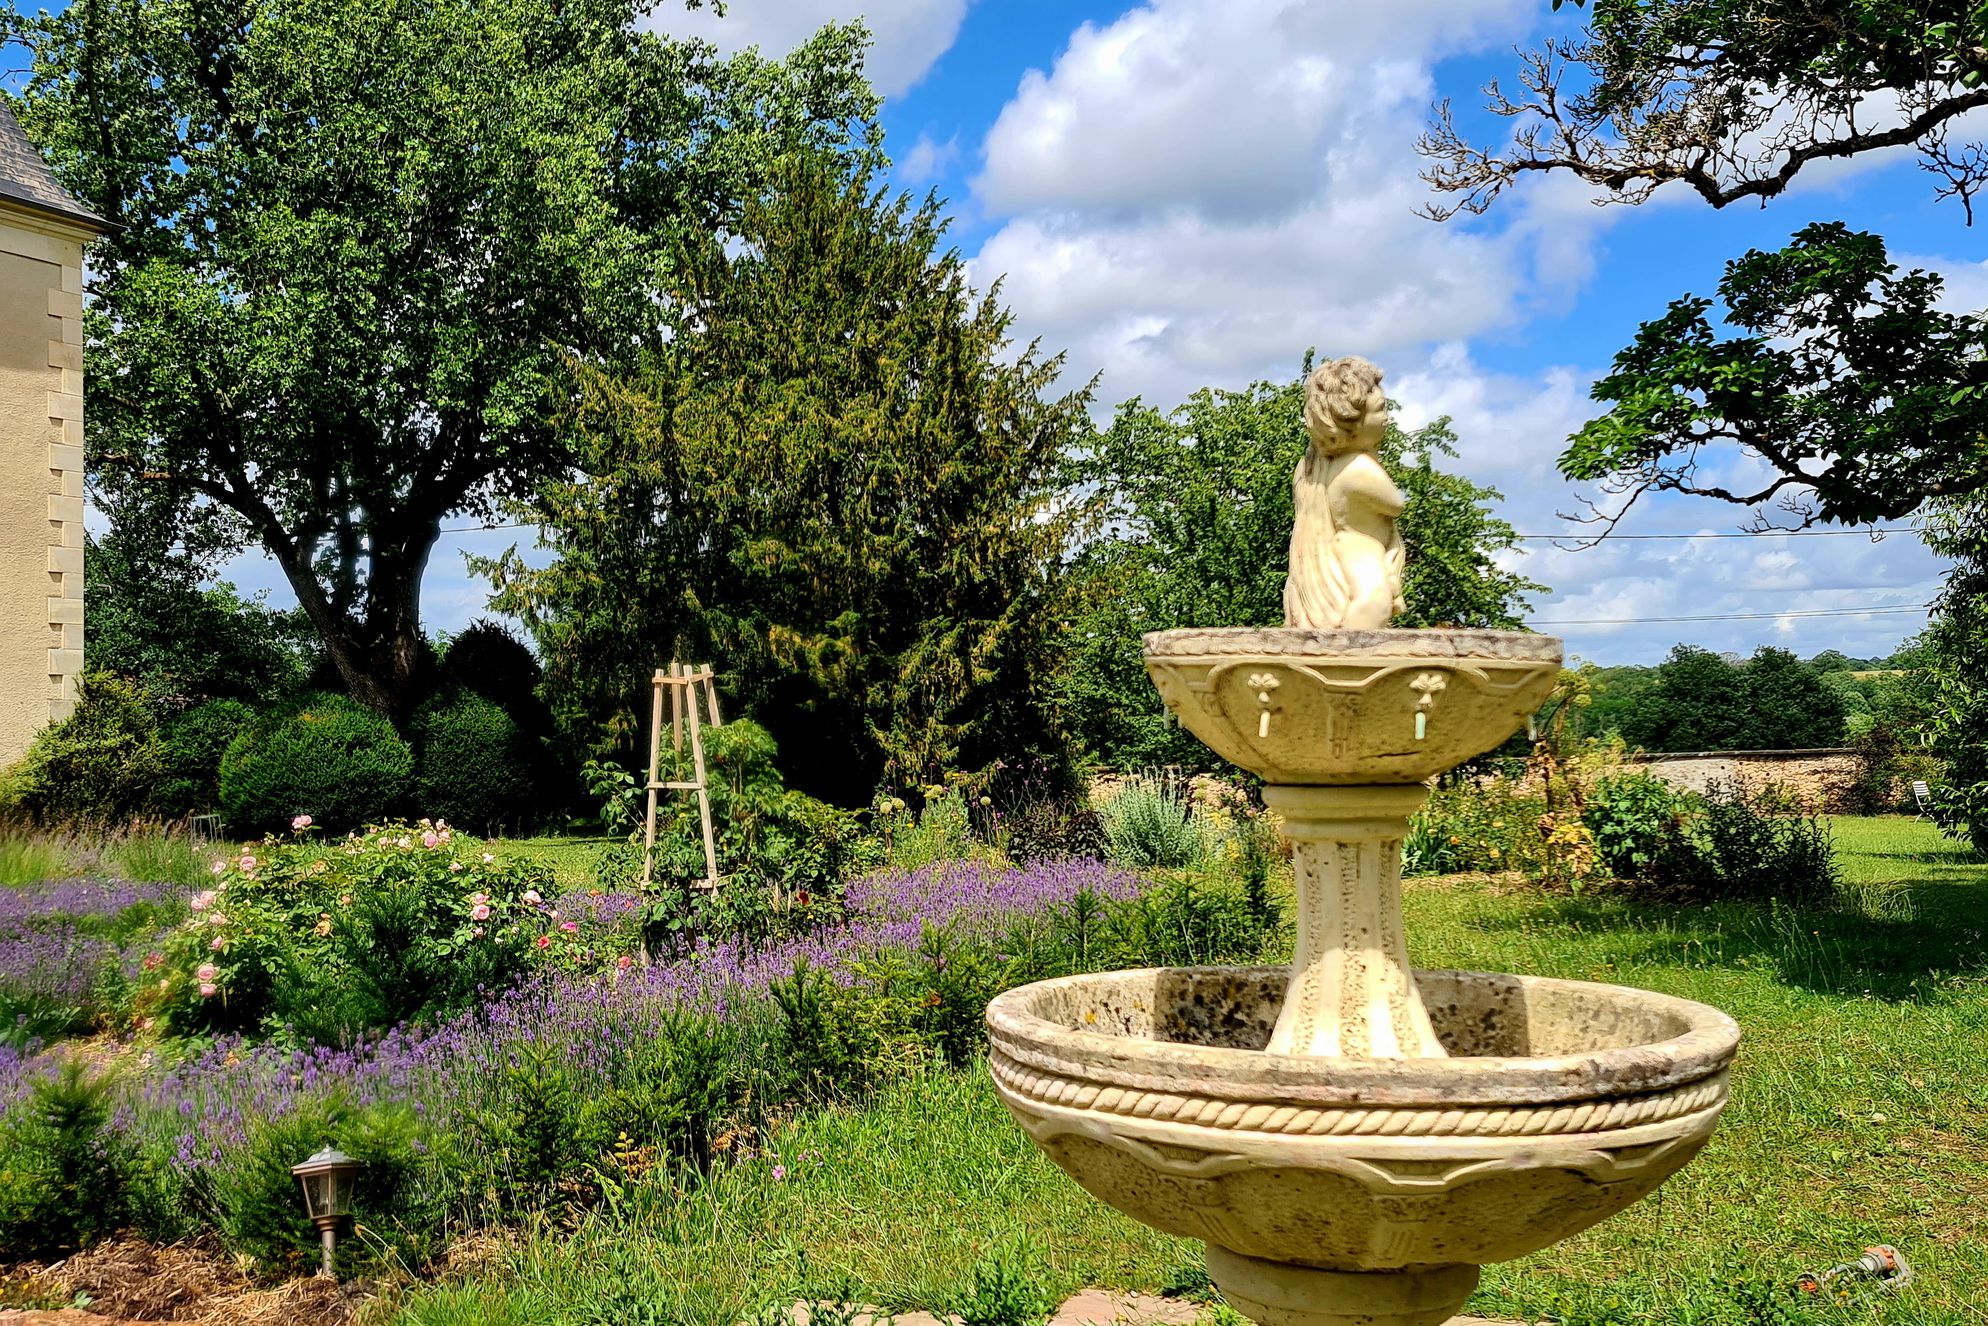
(1325, 708)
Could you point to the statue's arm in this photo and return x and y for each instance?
(1365, 482)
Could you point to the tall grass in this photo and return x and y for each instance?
(161, 856)
(31, 859)
(149, 853)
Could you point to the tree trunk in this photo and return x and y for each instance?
(383, 658)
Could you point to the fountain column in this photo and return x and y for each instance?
(1352, 993)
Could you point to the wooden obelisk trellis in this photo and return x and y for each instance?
(685, 685)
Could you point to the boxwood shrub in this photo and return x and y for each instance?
(192, 745)
(473, 763)
(325, 756)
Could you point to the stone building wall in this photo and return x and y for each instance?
(41, 474)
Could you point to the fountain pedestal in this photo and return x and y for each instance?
(1351, 992)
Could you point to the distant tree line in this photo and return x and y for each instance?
(1697, 699)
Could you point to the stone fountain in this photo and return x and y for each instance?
(1352, 1138)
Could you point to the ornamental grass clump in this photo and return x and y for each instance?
(1150, 824)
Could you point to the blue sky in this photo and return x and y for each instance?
(1188, 193)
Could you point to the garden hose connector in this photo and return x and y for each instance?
(1882, 1264)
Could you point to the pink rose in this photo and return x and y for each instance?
(217, 919)
(569, 926)
(487, 858)
(301, 822)
(624, 962)
(206, 971)
(247, 862)
(429, 839)
(208, 989)
(545, 941)
(531, 897)
(217, 943)
(205, 899)
(454, 866)
(480, 912)
(476, 933)
(217, 867)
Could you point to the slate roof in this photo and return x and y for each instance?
(26, 180)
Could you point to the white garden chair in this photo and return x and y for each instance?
(1922, 799)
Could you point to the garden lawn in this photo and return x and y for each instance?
(570, 857)
(1859, 1115)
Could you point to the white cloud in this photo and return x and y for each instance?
(1229, 106)
(910, 35)
(1966, 289)
(927, 159)
(1200, 189)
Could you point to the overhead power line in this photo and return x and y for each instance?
(1728, 616)
(1593, 539)
(479, 529)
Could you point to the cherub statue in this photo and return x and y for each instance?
(1346, 555)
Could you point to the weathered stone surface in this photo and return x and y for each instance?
(1351, 1139)
(1312, 708)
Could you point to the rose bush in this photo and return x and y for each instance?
(329, 940)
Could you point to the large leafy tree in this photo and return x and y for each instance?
(1863, 399)
(1196, 529)
(1956, 654)
(359, 241)
(1698, 700)
(836, 479)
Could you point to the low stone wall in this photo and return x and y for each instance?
(1822, 778)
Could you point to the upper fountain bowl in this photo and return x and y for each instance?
(1317, 708)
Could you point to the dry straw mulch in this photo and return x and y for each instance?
(130, 1281)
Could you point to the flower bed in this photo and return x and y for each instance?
(524, 1095)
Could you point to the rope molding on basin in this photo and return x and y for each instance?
(1358, 1121)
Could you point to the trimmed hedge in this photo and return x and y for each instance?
(325, 756)
(487, 659)
(192, 745)
(473, 763)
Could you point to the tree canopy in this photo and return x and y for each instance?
(1956, 647)
(837, 481)
(1731, 98)
(1863, 398)
(360, 242)
(1844, 375)
(1696, 700)
(1196, 531)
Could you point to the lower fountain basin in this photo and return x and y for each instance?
(1562, 1103)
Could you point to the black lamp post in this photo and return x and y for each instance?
(328, 1179)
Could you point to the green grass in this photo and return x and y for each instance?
(150, 853)
(31, 859)
(569, 858)
(893, 1204)
(1859, 1115)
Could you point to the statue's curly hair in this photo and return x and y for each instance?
(1336, 397)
